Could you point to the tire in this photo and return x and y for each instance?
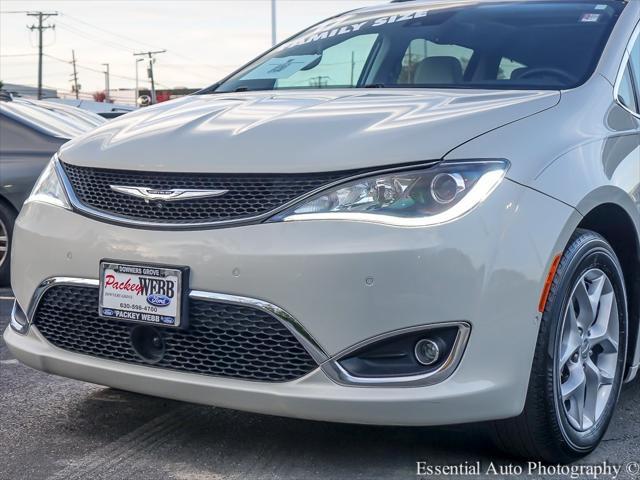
(551, 427)
(7, 219)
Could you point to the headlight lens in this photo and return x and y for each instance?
(410, 198)
(48, 188)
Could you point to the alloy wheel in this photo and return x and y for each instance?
(588, 349)
(4, 243)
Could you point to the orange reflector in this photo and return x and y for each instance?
(547, 284)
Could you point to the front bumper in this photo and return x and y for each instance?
(312, 397)
(344, 282)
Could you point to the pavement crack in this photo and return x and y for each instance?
(624, 438)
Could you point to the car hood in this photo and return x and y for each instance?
(300, 131)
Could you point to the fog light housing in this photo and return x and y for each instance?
(427, 351)
(415, 356)
(19, 321)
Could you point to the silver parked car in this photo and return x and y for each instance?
(415, 214)
(30, 132)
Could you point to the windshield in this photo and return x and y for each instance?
(532, 45)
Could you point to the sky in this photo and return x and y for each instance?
(204, 39)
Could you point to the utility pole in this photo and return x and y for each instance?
(150, 71)
(76, 88)
(274, 39)
(107, 93)
(410, 68)
(137, 94)
(42, 16)
(353, 65)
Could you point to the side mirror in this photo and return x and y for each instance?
(143, 101)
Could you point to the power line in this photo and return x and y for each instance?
(56, 58)
(7, 55)
(16, 79)
(138, 42)
(97, 40)
(122, 45)
(84, 67)
(95, 70)
(130, 39)
(109, 32)
(181, 68)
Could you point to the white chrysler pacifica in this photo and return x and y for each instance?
(415, 214)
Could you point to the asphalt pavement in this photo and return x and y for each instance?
(55, 428)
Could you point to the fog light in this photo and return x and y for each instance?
(19, 320)
(427, 351)
(417, 356)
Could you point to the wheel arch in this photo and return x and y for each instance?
(7, 203)
(615, 224)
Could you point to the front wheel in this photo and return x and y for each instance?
(579, 360)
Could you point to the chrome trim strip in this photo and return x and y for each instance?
(80, 207)
(306, 340)
(329, 366)
(53, 282)
(18, 319)
(339, 375)
(622, 68)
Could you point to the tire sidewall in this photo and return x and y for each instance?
(8, 217)
(594, 253)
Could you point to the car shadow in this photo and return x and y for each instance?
(207, 442)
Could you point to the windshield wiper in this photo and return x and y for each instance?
(375, 85)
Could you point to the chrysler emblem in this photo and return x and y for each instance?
(174, 195)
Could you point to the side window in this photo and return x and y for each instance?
(629, 89)
(626, 95)
(338, 66)
(634, 59)
(426, 62)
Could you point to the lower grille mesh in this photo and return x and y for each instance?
(221, 340)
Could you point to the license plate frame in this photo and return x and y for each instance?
(138, 306)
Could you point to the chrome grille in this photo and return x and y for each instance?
(222, 339)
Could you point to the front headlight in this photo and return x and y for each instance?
(48, 188)
(409, 198)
